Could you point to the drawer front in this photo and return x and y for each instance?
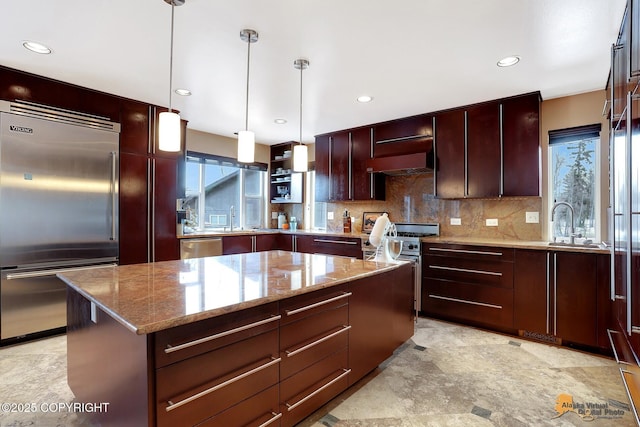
(176, 344)
(303, 393)
(465, 270)
(461, 301)
(259, 410)
(469, 251)
(196, 388)
(313, 338)
(296, 308)
(342, 246)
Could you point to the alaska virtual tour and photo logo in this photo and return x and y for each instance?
(588, 411)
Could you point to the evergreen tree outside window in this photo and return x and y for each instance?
(574, 179)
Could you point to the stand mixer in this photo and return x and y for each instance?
(384, 238)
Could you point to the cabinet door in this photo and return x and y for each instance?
(304, 243)
(483, 150)
(134, 121)
(265, 242)
(322, 184)
(237, 244)
(366, 186)
(165, 175)
(133, 209)
(531, 291)
(575, 297)
(449, 141)
(340, 170)
(521, 146)
(403, 136)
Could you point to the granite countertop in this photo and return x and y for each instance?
(219, 233)
(517, 244)
(151, 297)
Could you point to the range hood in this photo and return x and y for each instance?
(404, 164)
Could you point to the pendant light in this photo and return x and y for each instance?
(169, 121)
(300, 151)
(246, 138)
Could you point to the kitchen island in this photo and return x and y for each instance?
(262, 338)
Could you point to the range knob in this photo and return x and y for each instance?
(367, 243)
(412, 246)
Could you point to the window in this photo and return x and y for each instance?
(222, 192)
(574, 179)
(316, 211)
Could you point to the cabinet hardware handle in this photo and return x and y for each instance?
(465, 251)
(350, 161)
(465, 270)
(619, 297)
(272, 419)
(466, 157)
(501, 183)
(323, 339)
(340, 242)
(317, 304)
(403, 138)
(170, 348)
(435, 156)
(171, 406)
(627, 218)
(309, 396)
(464, 301)
(44, 273)
(548, 291)
(114, 194)
(555, 294)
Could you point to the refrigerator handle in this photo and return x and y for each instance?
(114, 177)
(43, 273)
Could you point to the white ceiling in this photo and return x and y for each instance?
(412, 56)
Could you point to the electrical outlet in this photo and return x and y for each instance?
(492, 222)
(456, 221)
(532, 217)
(329, 216)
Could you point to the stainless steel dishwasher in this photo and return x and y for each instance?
(200, 247)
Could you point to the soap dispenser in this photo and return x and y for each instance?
(282, 219)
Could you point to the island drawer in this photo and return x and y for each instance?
(192, 390)
(309, 304)
(259, 410)
(179, 343)
(304, 342)
(309, 389)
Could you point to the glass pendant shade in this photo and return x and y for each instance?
(300, 158)
(246, 146)
(169, 132)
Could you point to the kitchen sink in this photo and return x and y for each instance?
(577, 245)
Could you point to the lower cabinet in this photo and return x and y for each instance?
(562, 296)
(246, 243)
(468, 283)
(329, 245)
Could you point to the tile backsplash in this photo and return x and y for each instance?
(410, 199)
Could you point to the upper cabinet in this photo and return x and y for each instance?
(285, 186)
(403, 136)
(341, 172)
(489, 149)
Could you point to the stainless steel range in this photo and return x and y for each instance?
(410, 234)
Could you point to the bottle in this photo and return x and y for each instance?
(346, 222)
(281, 220)
(293, 223)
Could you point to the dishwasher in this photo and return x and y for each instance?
(200, 247)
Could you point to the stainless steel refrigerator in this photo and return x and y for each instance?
(58, 210)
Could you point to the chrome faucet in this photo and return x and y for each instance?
(572, 234)
(232, 215)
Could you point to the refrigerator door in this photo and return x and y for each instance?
(58, 192)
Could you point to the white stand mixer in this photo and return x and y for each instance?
(383, 237)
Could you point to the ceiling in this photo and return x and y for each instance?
(411, 56)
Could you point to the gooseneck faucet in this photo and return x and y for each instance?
(232, 215)
(572, 234)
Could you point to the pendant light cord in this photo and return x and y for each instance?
(301, 68)
(171, 58)
(246, 112)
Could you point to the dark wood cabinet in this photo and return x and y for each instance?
(403, 136)
(322, 168)
(246, 243)
(563, 296)
(331, 245)
(484, 156)
(340, 176)
(469, 283)
(450, 154)
(366, 186)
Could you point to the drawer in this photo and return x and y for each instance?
(303, 393)
(309, 304)
(311, 339)
(176, 344)
(466, 270)
(259, 410)
(461, 301)
(201, 386)
(469, 251)
(342, 246)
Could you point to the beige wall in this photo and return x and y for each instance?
(221, 145)
(567, 112)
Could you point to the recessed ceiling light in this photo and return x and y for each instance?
(280, 121)
(36, 47)
(365, 98)
(508, 61)
(183, 92)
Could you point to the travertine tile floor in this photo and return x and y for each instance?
(446, 375)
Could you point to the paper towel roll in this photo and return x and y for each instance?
(377, 232)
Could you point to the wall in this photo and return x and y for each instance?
(221, 145)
